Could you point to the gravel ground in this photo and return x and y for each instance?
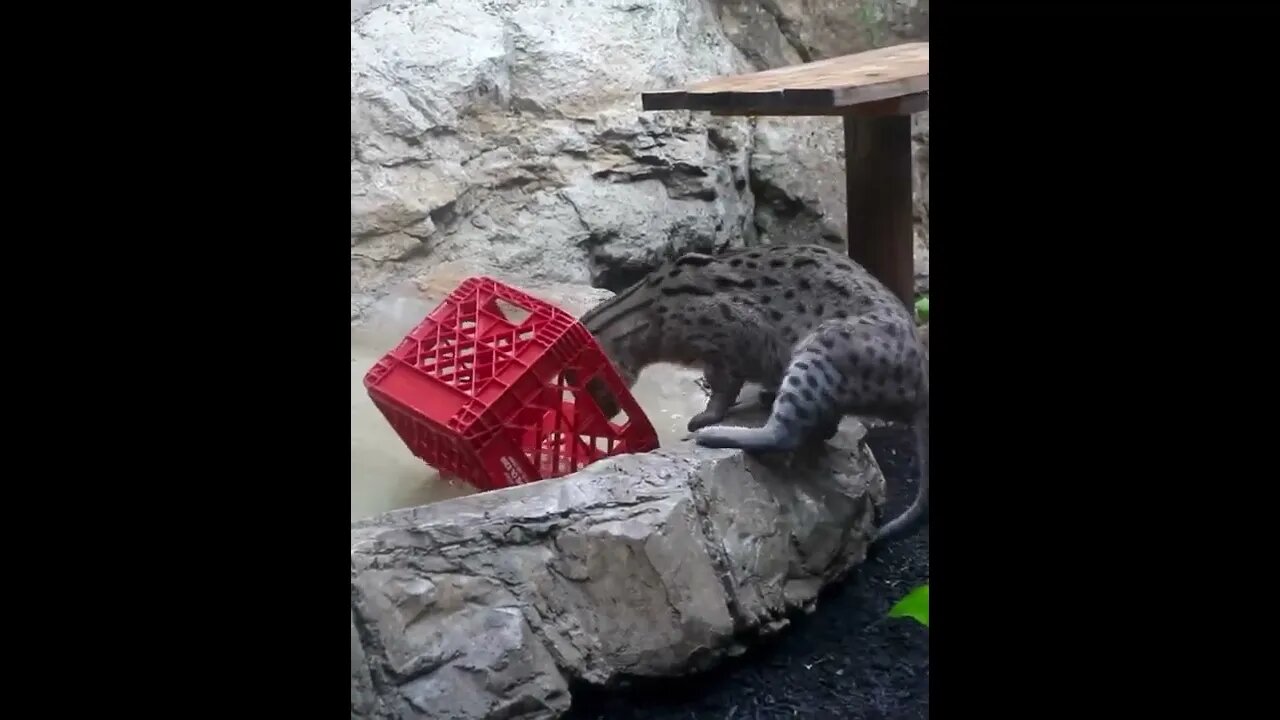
(843, 661)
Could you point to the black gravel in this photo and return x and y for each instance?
(846, 660)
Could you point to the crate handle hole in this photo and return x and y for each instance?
(514, 313)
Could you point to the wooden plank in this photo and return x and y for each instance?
(664, 100)
(905, 105)
(846, 71)
(878, 182)
(840, 82)
(732, 103)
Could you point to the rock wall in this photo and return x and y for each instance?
(510, 133)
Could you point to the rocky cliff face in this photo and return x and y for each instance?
(510, 133)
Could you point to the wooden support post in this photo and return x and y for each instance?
(878, 180)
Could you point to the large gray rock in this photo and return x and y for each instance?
(509, 132)
(643, 565)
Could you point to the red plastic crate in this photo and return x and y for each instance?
(480, 394)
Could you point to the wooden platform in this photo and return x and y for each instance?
(894, 79)
(875, 92)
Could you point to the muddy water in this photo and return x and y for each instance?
(386, 476)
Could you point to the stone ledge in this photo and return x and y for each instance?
(658, 564)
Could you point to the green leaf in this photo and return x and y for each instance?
(922, 308)
(915, 606)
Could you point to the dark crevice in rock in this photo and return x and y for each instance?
(398, 162)
(686, 169)
(444, 215)
(682, 180)
(777, 200)
(773, 199)
(514, 182)
(715, 549)
(720, 142)
(620, 276)
(788, 29)
(421, 666)
(372, 647)
(447, 216)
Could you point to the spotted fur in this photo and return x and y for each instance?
(823, 337)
